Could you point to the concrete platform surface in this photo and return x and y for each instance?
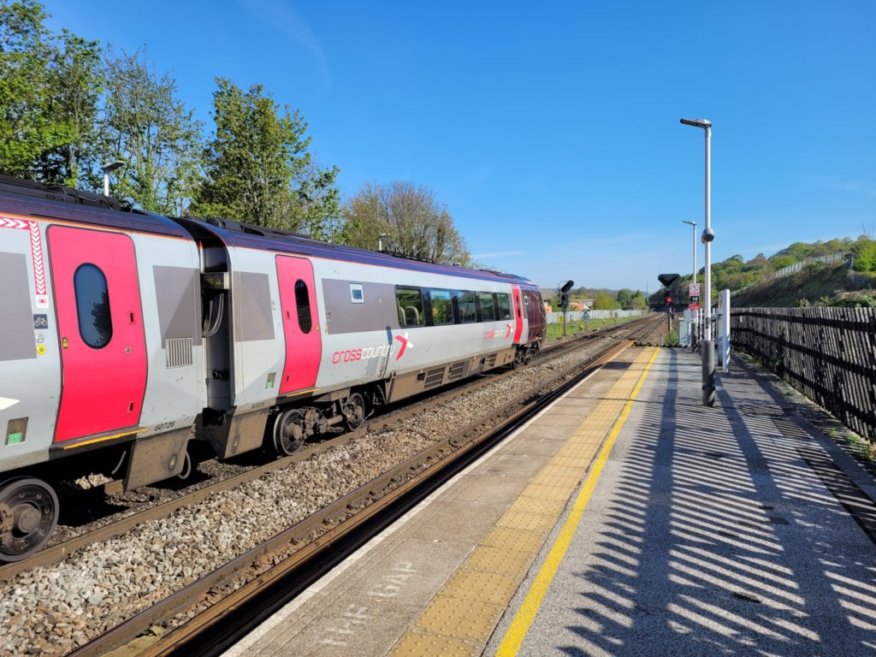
(438, 581)
(626, 520)
(722, 531)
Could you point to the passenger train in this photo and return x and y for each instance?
(126, 335)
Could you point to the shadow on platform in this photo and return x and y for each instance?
(722, 539)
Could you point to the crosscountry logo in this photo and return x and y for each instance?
(405, 344)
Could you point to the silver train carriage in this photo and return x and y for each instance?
(126, 335)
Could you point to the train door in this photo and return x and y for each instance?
(518, 314)
(535, 315)
(300, 323)
(100, 330)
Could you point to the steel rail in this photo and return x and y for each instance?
(56, 553)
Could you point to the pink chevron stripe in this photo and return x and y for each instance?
(6, 222)
(36, 252)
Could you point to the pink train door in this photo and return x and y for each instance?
(518, 314)
(300, 323)
(100, 330)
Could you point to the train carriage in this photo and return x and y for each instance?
(127, 334)
(100, 347)
(311, 335)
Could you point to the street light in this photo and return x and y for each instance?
(109, 166)
(708, 236)
(693, 280)
(693, 224)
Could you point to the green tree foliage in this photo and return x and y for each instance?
(259, 169)
(865, 255)
(413, 223)
(638, 302)
(605, 301)
(49, 90)
(624, 297)
(146, 126)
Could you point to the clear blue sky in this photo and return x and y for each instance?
(550, 130)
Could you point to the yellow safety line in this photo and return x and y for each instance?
(522, 621)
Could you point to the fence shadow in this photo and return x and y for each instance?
(720, 540)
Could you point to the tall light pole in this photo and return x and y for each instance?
(693, 224)
(109, 166)
(708, 237)
(693, 280)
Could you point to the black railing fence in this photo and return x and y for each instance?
(828, 354)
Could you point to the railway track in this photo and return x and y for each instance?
(638, 331)
(289, 551)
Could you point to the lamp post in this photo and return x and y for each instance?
(708, 237)
(693, 279)
(109, 166)
(693, 224)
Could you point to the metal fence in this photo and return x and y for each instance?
(829, 354)
(578, 315)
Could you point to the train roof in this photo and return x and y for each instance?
(29, 199)
(234, 233)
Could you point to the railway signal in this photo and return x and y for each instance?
(563, 299)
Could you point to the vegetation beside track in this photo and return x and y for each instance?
(555, 331)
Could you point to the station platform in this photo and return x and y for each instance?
(626, 519)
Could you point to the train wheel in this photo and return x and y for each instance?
(289, 432)
(354, 411)
(28, 516)
(186, 471)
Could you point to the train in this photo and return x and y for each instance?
(128, 337)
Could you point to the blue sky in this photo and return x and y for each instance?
(550, 130)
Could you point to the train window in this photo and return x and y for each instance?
(467, 309)
(92, 306)
(488, 306)
(302, 304)
(357, 293)
(503, 304)
(442, 307)
(410, 306)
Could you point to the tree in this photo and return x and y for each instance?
(147, 127)
(413, 223)
(625, 298)
(77, 79)
(604, 301)
(639, 301)
(865, 255)
(49, 86)
(259, 169)
(26, 129)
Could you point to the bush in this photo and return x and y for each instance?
(865, 256)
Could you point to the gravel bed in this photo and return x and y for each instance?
(53, 610)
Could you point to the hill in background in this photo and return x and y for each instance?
(813, 285)
(836, 272)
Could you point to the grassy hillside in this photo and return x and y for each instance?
(831, 285)
(816, 284)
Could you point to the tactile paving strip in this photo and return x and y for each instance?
(461, 617)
